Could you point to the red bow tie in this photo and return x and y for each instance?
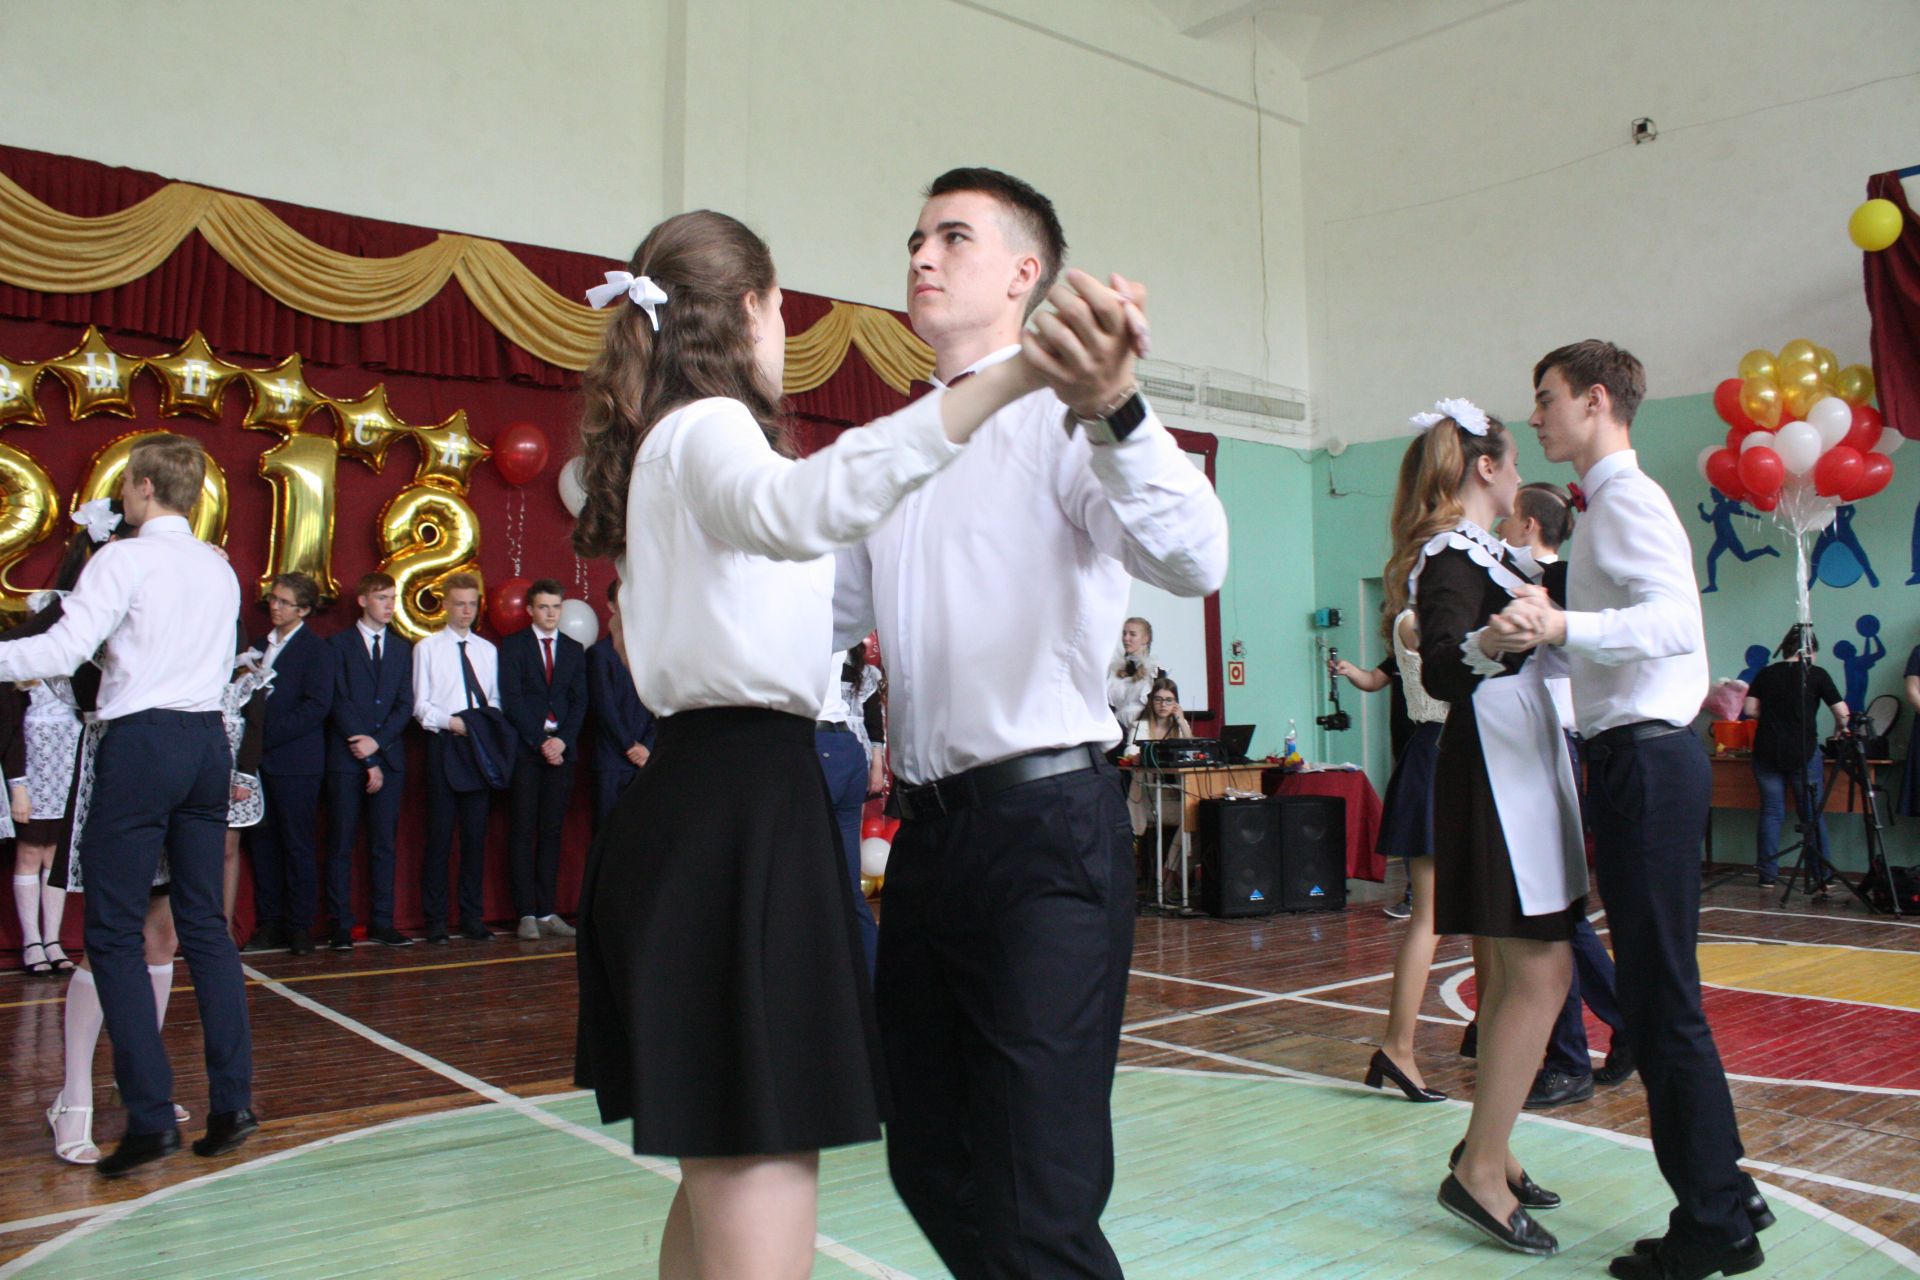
(1577, 496)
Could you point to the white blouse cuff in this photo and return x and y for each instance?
(1477, 660)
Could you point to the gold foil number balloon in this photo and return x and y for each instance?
(98, 378)
(426, 534)
(300, 469)
(17, 401)
(29, 509)
(209, 514)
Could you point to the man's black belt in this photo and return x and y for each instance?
(963, 789)
(1639, 731)
(832, 726)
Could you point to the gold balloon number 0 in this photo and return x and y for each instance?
(427, 534)
(209, 514)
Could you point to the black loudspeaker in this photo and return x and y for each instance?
(1313, 852)
(1238, 843)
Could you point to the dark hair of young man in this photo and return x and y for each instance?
(546, 587)
(1595, 363)
(1031, 213)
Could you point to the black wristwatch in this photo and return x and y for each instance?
(1114, 424)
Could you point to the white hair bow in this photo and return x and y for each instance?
(98, 518)
(1469, 415)
(646, 295)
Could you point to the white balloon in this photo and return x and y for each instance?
(1701, 464)
(577, 619)
(1756, 440)
(1798, 445)
(1890, 441)
(873, 856)
(573, 494)
(1828, 516)
(1832, 418)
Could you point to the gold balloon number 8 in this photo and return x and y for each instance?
(427, 534)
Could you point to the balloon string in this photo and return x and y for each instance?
(1802, 601)
(516, 522)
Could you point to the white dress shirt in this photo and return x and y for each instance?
(727, 580)
(833, 708)
(999, 586)
(367, 635)
(440, 687)
(277, 643)
(164, 605)
(1636, 647)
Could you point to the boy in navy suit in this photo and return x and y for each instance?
(623, 727)
(367, 758)
(292, 762)
(543, 691)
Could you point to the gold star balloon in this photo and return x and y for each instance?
(17, 401)
(193, 380)
(448, 453)
(367, 427)
(281, 397)
(98, 378)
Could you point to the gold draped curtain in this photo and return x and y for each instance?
(42, 248)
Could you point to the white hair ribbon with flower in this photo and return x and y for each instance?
(98, 518)
(1470, 417)
(646, 295)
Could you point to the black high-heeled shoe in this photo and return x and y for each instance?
(1529, 1193)
(1519, 1232)
(1380, 1065)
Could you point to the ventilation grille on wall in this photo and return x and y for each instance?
(1186, 394)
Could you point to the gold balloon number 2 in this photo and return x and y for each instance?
(29, 509)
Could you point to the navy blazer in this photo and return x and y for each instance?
(375, 703)
(524, 694)
(619, 717)
(294, 741)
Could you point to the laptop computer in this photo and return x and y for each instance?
(1235, 739)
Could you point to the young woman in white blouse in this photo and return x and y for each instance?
(724, 1002)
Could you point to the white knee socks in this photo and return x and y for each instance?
(161, 976)
(26, 902)
(84, 1018)
(53, 907)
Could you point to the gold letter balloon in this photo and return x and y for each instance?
(426, 534)
(209, 514)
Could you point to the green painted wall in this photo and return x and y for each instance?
(1754, 604)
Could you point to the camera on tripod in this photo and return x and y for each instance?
(1336, 720)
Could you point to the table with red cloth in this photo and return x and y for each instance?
(1363, 811)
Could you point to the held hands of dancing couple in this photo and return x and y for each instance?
(1529, 622)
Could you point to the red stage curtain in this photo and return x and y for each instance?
(1893, 299)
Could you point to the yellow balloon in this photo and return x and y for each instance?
(98, 378)
(870, 886)
(29, 510)
(1794, 352)
(1801, 387)
(17, 401)
(209, 514)
(1757, 364)
(427, 533)
(1760, 398)
(1875, 225)
(1827, 363)
(448, 454)
(192, 379)
(300, 540)
(1854, 384)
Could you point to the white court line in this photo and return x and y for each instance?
(663, 1168)
(1798, 915)
(1361, 1008)
(1207, 1012)
(1830, 946)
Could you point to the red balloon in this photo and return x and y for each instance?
(1838, 471)
(1765, 502)
(875, 828)
(1864, 434)
(1875, 476)
(1761, 474)
(1723, 471)
(507, 611)
(1734, 438)
(1726, 403)
(520, 453)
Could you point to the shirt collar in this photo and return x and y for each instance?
(991, 358)
(166, 524)
(545, 635)
(275, 640)
(1607, 468)
(367, 631)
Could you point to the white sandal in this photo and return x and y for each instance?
(81, 1151)
(180, 1114)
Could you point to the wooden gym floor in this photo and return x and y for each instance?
(420, 1119)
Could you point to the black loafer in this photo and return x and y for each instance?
(340, 940)
(1662, 1263)
(299, 942)
(1558, 1089)
(226, 1130)
(1519, 1232)
(268, 937)
(476, 932)
(1470, 1040)
(137, 1149)
(1620, 1063)
(1757, 1213)
(388, 936)
(1529, 1193)
(438, 935)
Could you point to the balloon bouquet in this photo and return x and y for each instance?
(520, 454)
(1801, 440)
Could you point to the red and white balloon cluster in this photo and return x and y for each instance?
(1801, 436)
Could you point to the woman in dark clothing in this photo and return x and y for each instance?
(1784, 698)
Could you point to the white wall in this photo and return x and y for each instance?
(1473, 198)
(818, 121)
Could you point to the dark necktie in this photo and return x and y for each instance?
(376, 650)
(472, 680)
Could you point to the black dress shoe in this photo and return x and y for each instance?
(1529, 1193)
(137, 1149)
(474, 931)
(1519, 1232)
(438, 935)
(1662, 1262)
(268, 937)
(1470, 1040)
(388, 936)
(340, 940)
(299, 942)
(1557, 1089)
(1620, 1063)
(1756, 1205)
(1380, 1065)
(226, 1130)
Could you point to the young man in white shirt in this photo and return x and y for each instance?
(997, 588)
(1636, 653)
(164, 605)
(454, 670)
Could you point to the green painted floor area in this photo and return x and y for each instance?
(1220, 1177)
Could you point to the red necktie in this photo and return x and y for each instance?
(547, 652)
